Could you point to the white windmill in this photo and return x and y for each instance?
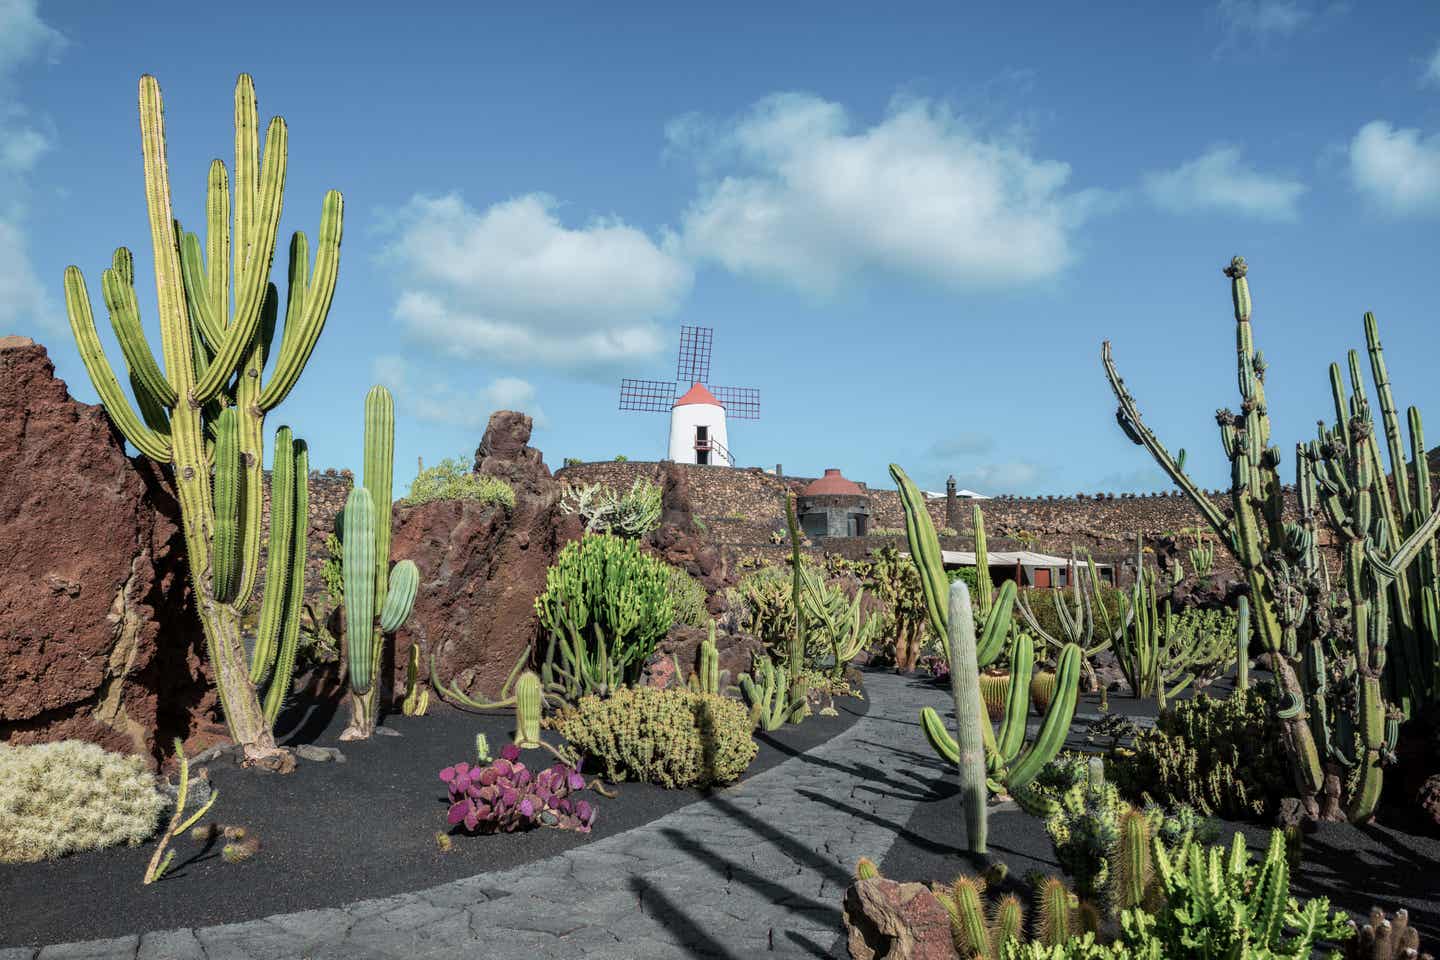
(697, 416)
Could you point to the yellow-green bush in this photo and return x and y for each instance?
(60, 798)
(453, 479)
(675, 737)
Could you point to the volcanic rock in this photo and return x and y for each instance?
(899, 921)
(737, 654)
(98, 640)
(678, 540)
(481, 567)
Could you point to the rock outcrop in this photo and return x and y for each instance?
(899, 921)
(482, 566)
(678, 540)
(98, 640)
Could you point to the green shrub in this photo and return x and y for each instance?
(605, 587)
(60, 798)
(1222, 756)
(687, 595)
(452, 479)
(674, 737)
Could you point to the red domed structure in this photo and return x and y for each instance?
(833, 507)
(833, 483)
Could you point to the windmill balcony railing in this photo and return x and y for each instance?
(714, 446)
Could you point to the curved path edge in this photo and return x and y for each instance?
(759, 867)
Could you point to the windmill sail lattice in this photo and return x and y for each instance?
(697, 410)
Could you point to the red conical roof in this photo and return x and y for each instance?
(832, 483)
(698, 394)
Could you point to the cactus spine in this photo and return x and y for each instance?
(366, 567)
(204, 413)
(527, 710)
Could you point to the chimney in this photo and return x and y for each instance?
(952, 514)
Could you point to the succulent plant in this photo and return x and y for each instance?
(65, 797)
(504, 796)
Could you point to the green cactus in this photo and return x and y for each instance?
(366, 568)
(1084, 621)
(1010, 763)
(527, 711)
(204, 414)
(417, 697)
(799, 691)
(1161, 654)
(766, 689)
(1389, 568)
(1242, 645)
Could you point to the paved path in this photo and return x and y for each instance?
(759, 867)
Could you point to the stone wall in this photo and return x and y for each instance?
(742, 508)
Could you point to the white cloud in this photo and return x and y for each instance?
(792, 193)
(24, 300)
(1015, 476)
(435, 401)
(1263, 18)
(513, 283)
(1218, 181)
(1396, 168)
(1432, 69)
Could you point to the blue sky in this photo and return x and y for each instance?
(911, 228)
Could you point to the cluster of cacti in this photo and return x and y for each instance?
(674, 737)
(204, 413)
(162, 858)
(1223, 756)
(707, 676)
(767, 690)
(1103, 842)
(1386, 938)
(1202, 557)
(687, 596)
(840, 619)
(1084, 621)
(454, 478)
(606, 603)
(631, 514)
(895, 581)
(1160, 652)
(65, 797)
(368, 575)
(986, 760)
(1332, 661)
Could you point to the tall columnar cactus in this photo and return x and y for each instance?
(1341, 478)
(204, 413)
(1010, 763)
(366, 567)
(799, 691)
(1242, 645)
(970, 714)
(527, 710)
(1161, 653)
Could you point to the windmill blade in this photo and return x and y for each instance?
(693, 364)
(647, 396)
(741, 403)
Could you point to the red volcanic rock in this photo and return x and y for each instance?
(678, 541)
(899, 921)
(481, 566)
(98, 640)
(505, 452)
(737, 655)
